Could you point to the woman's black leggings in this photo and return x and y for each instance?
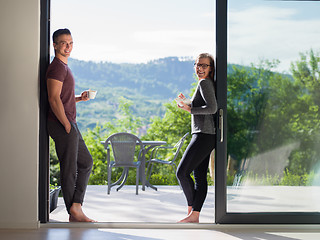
(196, 158)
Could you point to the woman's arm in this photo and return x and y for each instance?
(206, 90)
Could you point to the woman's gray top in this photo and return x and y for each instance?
(203, 106)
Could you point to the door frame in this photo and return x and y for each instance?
(221, 116)
(44, 162)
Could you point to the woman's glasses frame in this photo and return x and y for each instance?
(204, 66)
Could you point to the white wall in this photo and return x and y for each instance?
(19, 116)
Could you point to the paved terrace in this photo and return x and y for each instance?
(168, 205)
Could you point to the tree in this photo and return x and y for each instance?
(261, 105)
(267, 110)
(305, 122)
(54, 165)
(127, 122)
(175, 123)
(248, 95)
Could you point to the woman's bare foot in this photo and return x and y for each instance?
(193, 217)
(77, 215)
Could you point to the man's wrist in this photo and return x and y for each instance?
(78, 98)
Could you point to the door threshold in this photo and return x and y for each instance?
(155, 225)
(129, 225)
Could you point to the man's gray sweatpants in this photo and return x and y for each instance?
(75, 162)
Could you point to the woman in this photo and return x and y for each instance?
(197, 155)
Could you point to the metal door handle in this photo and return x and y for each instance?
(221, 124)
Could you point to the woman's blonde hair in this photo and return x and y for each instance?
(207, 55)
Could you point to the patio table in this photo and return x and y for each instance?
(148, 145)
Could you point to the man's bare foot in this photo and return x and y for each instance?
(193, 217)
(189, 210)
(77, 215)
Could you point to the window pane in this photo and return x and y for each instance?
(273, 106)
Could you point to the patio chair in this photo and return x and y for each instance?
(124, 148)
(154, 158)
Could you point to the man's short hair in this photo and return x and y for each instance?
(59, 32)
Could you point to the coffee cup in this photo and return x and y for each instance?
(92, 94)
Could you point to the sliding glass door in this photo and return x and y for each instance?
(270, 139)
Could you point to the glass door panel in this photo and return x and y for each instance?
(273, 125)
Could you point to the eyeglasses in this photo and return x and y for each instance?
(204, 66)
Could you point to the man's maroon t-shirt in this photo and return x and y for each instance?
(60, 71)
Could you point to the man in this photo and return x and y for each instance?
(74, 157)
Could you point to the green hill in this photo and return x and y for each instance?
(147, 85)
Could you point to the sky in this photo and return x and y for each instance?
(261, 29)
(137, 31)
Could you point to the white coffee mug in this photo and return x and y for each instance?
(92, 94)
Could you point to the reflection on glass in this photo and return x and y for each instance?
(273, 106)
